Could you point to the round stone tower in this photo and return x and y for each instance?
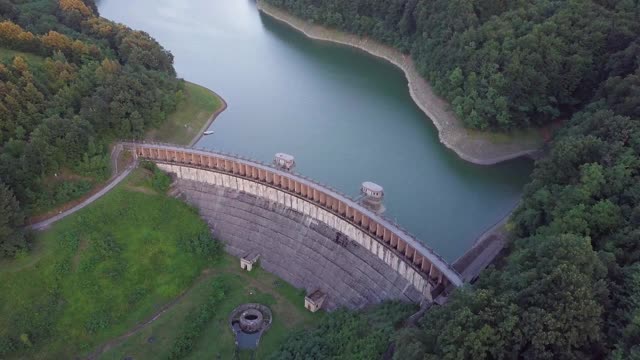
(373, 195)
(284, 161)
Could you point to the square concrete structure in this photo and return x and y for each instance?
(247, 261)
(314, 301)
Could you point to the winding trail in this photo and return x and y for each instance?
(46, 223)
(207, 273)
(117, 178)
(114, 181)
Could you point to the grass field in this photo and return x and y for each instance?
(97, 273)
(190, 116)
(217, 341)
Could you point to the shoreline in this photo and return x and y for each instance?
(212, 118)
(473, 146)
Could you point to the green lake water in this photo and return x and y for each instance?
(346, 116)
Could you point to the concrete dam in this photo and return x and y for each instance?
(309, 235)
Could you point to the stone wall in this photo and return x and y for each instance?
(295, 245)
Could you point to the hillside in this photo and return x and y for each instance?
(70, 82)
(501, 64)
(570, 286)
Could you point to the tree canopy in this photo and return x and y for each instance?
(501, 64)
(70, 82)
(347, 335)
(568, 288)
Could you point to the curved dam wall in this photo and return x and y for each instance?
(308, 234)
(301, 250)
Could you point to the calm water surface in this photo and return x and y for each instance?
(347, 117)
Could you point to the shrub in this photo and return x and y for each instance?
(160, 181)
(196, 321)
(7, 345)
(202, 244)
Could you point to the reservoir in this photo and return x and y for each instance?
(346, 116)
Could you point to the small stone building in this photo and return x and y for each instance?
(314, 301)
(284, 161)
(373, 195)
(248, 260)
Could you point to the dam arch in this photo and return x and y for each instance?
(307, 233)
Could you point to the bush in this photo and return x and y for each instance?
(347, 334)
(202, 244)
(196, 321)
(96, 166)
(7, 345)
(146, 164)
(160, 181)
(60, 193)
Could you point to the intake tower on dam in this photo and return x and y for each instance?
(308, 234)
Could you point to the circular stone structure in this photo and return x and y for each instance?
(251, 320)
(248, 322)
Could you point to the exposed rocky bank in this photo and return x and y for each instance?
(477, 147)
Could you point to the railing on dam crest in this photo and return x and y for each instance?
(426, 262)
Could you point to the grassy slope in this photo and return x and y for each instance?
(90, 297)
(85, 289)
(114, 294)
(217, 342)
(189, 118)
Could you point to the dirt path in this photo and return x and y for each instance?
(116, 178)
(207, 273)
(46, 223)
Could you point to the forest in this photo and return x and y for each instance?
(569, 287)
(501, 64)
(347, 334)
(70, 83)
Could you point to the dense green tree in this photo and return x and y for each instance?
(628, 342)
(543, 305)
(94, 81)
(12, 239)
(347, 335)
(502, 64)
(622, 94)
(568, 288)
